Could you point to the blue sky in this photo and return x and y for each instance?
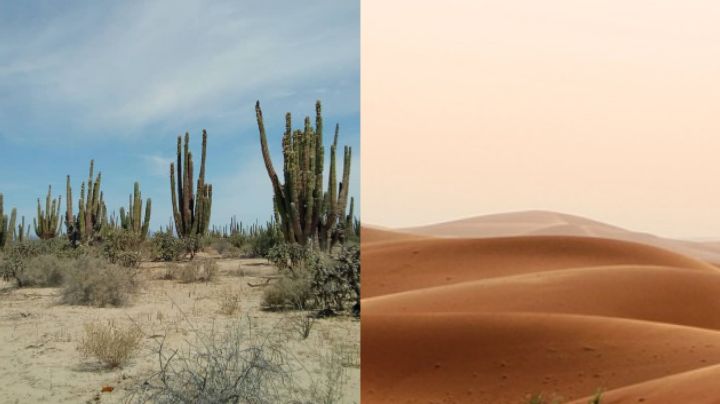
(119, 81)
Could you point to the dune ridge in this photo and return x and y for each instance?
(499, 318)
(548, 223)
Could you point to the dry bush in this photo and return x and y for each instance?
(288, 292)
(229, 302)
(330, 389)
(202, 270)
(226, 248)
(302, 323)
(44, 271)
(111, 345)
(171, 272)
(234, 366)
(96, 282)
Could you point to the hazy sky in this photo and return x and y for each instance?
(118, 81)
(606, 109)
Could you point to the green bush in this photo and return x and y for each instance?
(122, 247)
(166, 247)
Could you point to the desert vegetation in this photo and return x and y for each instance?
(233, 304)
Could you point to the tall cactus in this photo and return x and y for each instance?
(191, 211)
(305, 211)
(47, 224)
(23, 232)
(132, 220)
(7, 224)
(92, 213)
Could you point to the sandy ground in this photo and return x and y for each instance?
(39, 361)
(498, 319)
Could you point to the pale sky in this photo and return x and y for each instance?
(604, 109)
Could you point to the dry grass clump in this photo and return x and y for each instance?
(202, 270)
(96, 282)
(302, 324)
(111, 345)
(329, 389)
(229, 301)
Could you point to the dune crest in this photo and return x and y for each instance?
(547, 223)
(559, 305)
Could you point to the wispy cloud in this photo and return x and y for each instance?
(137, 64)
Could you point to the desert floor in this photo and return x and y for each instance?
(499, 308)
(39, 361)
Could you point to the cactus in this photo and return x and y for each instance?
(132, 220)
(23, 232)
(7, 225)
(47, 224)
(304, 211)
(191, 211)
(92, 213)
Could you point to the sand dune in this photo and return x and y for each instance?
(618, 291)
(502, 358)
(544, 223)
(695, 386)
(408, 265)
(495, 319)
(373, 235)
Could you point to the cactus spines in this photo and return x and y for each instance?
(305, 212)
(92, 213)
(133, 220)
(47, 224)
(191, 210)
(7, 224)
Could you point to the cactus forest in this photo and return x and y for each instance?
(301, 262)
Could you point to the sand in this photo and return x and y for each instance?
(498, 319)
(39, 361)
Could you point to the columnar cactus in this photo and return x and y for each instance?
(305, 212)
(7, 225)
(92, 213)
(191, 211)
(47, 224)
(23, 232)
(132, 220)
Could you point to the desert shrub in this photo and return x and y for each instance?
(302, 324)
(203, 270)
(313, 279)
(235, 366)
(166, 247)
(596, 398)
(288, 292)
(111, 345)
(96, 282)
(16, 256)
(337, 281)
(260, 243)
(122, 247)
(291, 256)
(225, 248)
(44, 271)
(228, 302)
(330, 389)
